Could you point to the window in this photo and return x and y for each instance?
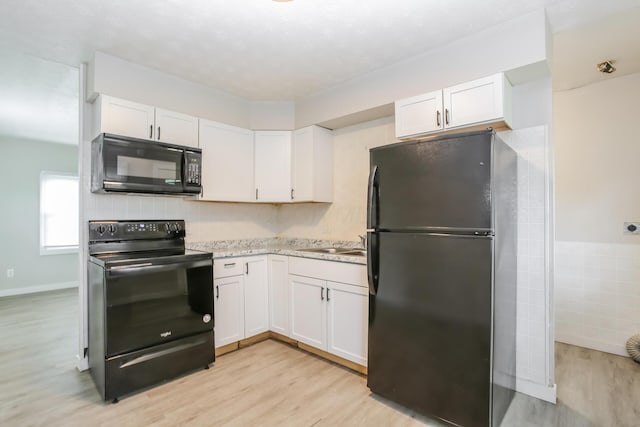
(58, 213)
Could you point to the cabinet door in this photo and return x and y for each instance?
(474, 102)
(419, 114)
(127, 118)
(347, 321)
(273, 166)
(312, 165)
(302, 165)
(228, 301)
(279, 294)
(227, 162)
(308, 311)
(256, 296)
(176, 128)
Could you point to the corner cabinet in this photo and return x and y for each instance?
(485, 101)
(312, 165)
(128, 118)
(241, 298)
(227, 158)
(272, 166)
(329, 307)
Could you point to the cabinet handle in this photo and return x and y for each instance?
(158, 133)
(231, 264)
(217, 292)
(246, 268)
(322, 294)
(256, 194)
(438, 118)
(446, 116)
(328, 299)
(292, 191)
(150, 131)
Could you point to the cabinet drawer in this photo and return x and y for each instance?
(354, 274)
(226, 267)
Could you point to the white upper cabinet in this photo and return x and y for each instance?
(122, 117)
(312, 165)
(272, 166)
(419, 114)
(176, 128)
(477, 102)
(127, 118)
(485, 101)
(227, 162)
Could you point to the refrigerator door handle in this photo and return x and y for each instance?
(372, 194)
(372, 261)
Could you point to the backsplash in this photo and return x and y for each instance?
(597, 294)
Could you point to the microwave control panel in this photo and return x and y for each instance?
(192, 174)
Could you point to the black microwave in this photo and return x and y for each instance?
(132, 165)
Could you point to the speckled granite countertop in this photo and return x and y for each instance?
(278, 245)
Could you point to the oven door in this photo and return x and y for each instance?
(153, 302)
(141, 166)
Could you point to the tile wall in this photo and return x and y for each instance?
(597, 294)
(534, 346)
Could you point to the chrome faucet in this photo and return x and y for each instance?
(363, 241)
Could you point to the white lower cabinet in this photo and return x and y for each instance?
(326, 314)
(308, 311)
(256, 296)
(228, 309)
(347, 321)
(241, 298)
(279, 294)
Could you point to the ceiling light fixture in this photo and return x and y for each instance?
(281, 1)
(606, 67)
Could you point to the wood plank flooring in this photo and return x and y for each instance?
(266, 384)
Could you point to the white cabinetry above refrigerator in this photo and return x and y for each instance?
(485, 101)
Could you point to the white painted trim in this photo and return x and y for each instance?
(82, 363)
(539, 391)
(619, 350)
(39, 288)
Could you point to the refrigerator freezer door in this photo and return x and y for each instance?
(430, 325)
(442, 183)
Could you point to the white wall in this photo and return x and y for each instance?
(510, 45)
(598, 266)
(114, 76)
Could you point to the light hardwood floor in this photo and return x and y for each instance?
(267, 384)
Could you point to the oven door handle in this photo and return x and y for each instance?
(150, 267)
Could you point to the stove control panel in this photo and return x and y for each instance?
(135, 230)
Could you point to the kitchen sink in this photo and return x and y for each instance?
(357, 252)
(337, 251)
(324, 250)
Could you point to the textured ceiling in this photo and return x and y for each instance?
(39, 98)
(256, 49)
(577, 52)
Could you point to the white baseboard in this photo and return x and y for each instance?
(539, 391)
(82, 363)
(39, 288)
(619, 350)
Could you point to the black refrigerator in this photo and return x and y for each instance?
(442, 242)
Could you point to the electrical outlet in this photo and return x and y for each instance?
(9, 273)
(632, 228)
